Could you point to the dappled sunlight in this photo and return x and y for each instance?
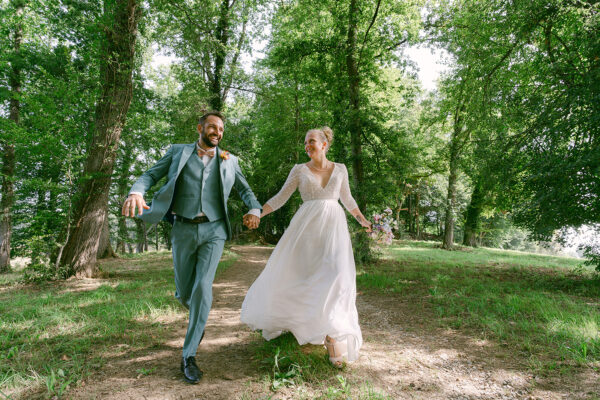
(408, 248)
(171, 318)
(21, 386)
(63, 329)
(149, 357)
(426, 360)
(430, 252)
(86, 302)
(480, 342)
(588, 328)
(176, 343)
(148, 311)
(222, 341)
(116, 350)
(446, 367)
(21, 326)
(85, 285)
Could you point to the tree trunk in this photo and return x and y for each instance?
(142, 236)
(8, 168)
(411, 221)
(473, 216)
(450, 219)
(152, 231)
(166, 230)
(417, 225)
(8, 148)
(222, 37)
(354, 113)
(122, 227)
(118, 49)
(105, 249)
(156, 242)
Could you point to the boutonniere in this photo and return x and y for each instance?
(225, 155)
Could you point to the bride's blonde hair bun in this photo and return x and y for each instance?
(328, 133)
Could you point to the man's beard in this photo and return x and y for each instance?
(207, 141)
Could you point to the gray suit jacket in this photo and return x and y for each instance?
(171, 165)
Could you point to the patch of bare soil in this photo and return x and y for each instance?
(404, 355)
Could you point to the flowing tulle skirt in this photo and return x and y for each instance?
(308, 286)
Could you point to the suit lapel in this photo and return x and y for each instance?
(221, 174)
(219, 161)
(185, 155)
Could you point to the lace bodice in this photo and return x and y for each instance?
(303, 179)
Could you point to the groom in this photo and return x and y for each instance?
(199, 179)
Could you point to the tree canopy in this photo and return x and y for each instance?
(504, 152)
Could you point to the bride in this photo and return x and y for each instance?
(308, 286)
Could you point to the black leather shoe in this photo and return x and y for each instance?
(191, 372)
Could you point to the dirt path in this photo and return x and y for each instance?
(402, 356)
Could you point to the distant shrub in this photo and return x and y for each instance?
(42, 272)
(365, 251)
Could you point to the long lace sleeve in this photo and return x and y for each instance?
(345, 195)
(288, 188)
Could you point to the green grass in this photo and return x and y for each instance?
(227, 260)
(54, 335)
(307, 370)
(546, 308)
(287, 364)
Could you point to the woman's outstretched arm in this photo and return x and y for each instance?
(288, 188)
(350, 204)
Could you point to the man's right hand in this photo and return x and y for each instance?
(133, 201)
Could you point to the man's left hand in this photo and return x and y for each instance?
(251, 221)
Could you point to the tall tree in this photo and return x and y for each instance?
(457, 142)
(8, 147)
(209, 37)
(337, 54)
(105, 249)
(120, 20)
(537, 68)
(354, 98)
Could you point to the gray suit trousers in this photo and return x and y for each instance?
(197, 249)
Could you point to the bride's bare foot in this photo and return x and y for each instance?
(335, 353)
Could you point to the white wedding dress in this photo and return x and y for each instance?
(308, 286)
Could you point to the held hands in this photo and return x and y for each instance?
(133, 201)
(251, 221)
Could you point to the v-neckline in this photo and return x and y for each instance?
(315, 176)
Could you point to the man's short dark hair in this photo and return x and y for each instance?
(203, 118)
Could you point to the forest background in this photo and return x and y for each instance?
(504, 152)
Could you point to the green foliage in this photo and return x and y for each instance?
(42, 272)
(302, 84)
(145, 371)
(365, 250)
(592, 253)
(532, 74)
(58, 382)
(524, 77)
